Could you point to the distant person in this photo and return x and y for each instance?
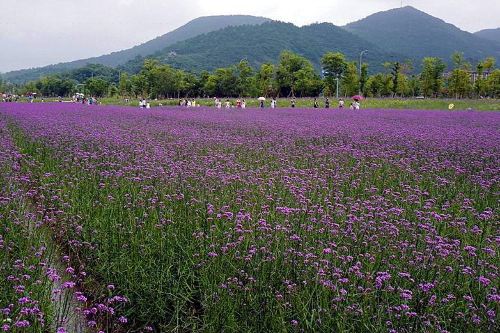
(238, 103)
(327, 103)
(228, 104)
(293, 102)
(243, 104)
(341, 103)
(357, 105)
(315, 105)
(148, 106)
(273, 103)
(261, 103)
(351, 107)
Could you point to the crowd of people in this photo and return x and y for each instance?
(241, 103)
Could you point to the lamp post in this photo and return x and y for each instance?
(360, 60)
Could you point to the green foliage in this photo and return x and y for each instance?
(55, 86)
(432, 76)
(265, 80)
(97, 87)
(296, 76)
(334, 65)
(493, 84)
(350, 80)
(459, 84)
(262, 44)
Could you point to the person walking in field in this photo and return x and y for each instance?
(273, 103)
(228, 104)
(341, 103)
(243, 104)
(315, 103)
(327, 103)
(293, 102)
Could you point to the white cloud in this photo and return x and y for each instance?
(36, 33)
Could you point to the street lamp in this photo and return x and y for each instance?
(360, 60)
(338, 78)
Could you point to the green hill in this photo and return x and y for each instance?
(489, 34)
(263, 43)
(193, 28)
(417, 34)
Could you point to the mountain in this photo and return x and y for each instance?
(417, 34)
(193, 28)
(489, 34)
(264, 43)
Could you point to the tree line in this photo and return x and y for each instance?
(292, 75)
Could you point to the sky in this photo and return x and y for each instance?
(35, 33)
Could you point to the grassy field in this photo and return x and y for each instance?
(370, 103)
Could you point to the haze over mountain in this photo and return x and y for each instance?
(489, 34)
(264, 43)
(412, 32)
(216, 41)
(191, 29)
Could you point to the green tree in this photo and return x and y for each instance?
(245, 83)
(414, 85)
(493, 84)
(485, 66)
(396, 75)
(139, 85)
(97, 87)
(113, 90)
(333, 65)
(222, 83)
(431, 78)
(125, 85)
(295, 74)
(459, 82)
(266, 80)
(350, 80)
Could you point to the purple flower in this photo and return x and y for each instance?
(484, 281)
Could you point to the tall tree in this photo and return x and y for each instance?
(266, 80)
(245, 84)
(124, 85)
(431, 77)
(97, 87)
(292, 68)
(350, 80)
(493, 84)
(459, 82)
(333, 65)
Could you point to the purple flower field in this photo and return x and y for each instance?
(287, 220)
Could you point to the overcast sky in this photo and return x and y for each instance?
(41, 32)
